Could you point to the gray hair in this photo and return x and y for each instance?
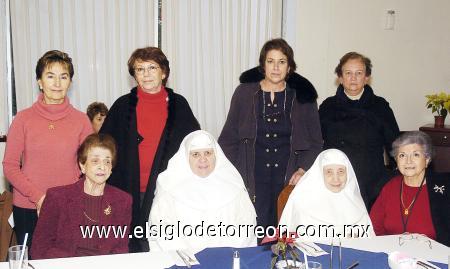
(413, 137)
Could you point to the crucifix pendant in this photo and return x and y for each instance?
(406, 212)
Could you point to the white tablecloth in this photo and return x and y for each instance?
(118, 261)
(390, 243)
(414, 248)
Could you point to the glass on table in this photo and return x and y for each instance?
(408, 237)
(14, 255)
(297, 265)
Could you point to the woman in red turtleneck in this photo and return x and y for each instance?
(41, 151)
(148, 125)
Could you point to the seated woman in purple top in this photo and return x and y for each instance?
(88, 203)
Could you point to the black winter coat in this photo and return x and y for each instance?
(238, 135)
(438, 185)
(121, 124)
(361, 129)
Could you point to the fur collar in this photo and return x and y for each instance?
(304, 90)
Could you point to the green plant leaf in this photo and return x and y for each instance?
(274, 261)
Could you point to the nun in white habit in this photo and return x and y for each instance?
(201, 193)
(328, 194)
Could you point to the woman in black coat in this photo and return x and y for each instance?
(272, 132)
(360, 124)
(148, 125)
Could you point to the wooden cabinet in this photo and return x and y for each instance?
(441, 145)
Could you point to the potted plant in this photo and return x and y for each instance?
(440, 104)
(284, 254)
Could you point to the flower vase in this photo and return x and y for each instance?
(439, 121)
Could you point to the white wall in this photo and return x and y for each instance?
(408, 62)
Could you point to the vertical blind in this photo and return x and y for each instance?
(209, 43)
(98, 35)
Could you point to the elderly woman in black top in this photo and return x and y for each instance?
(359, 123)
(272, 132)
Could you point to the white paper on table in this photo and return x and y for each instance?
(158, 260)
(399, 260)
(390, 243)
(310, 248)
(188, 255)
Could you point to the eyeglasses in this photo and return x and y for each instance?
(150, 69)
(407, 237)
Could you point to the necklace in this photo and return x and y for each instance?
(405, 211)
(89, 218)
(264, 105)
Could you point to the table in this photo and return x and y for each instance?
(260, 257)
(372, 257)
(440, 137)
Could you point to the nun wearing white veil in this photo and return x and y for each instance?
(328, 194)
(201, 188)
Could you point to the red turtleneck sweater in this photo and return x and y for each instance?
(151, 111)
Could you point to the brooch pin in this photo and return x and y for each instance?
(107, 210)
(440, 189)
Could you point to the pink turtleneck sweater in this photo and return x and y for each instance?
(41, 151)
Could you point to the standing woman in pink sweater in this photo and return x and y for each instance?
(43, 139)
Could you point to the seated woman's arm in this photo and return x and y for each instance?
(44, 243)
(122, 244)
(245, 215)
(163, 216)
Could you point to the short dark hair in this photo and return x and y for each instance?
(413, 137)
(96, 108)
(51, 57)
(150, 54)
(104, 141)
(351, 56)
(281, 45)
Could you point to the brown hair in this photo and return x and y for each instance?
(149, 54)
(51, 57)
(351, 56)
(104, 141)
(96, 108)
(281, 45)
